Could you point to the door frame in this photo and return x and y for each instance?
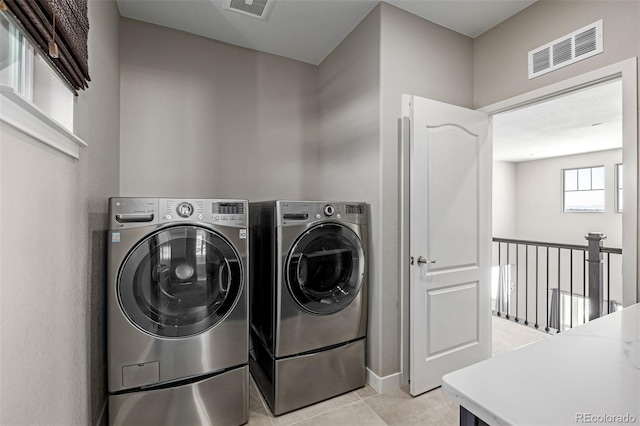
(626, 71)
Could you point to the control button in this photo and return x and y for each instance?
(232, 218)
(200, 216)
(329, 210)
(338, 216)
(216, 218)
(184, 209)
(223, 217)
(169, 217)
(318, 216)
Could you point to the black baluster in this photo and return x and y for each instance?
(508, 284)
(559, 292)
(608, 283)
(547, 316)
(571, 289)
(499, 283)
(517, 276)
(537, 289)
(584, 286)
(526, 287)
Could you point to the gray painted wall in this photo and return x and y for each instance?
(349, 156)
(361, 84)
(500, 54)
(528, 200)
(419, 58)
(201, 118)
(227, 115)
(53, 219)
(316, 134)
(539, 201)
(504, 199)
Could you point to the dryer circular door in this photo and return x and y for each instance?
(325, 268)
(180, 281)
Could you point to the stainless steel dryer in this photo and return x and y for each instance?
(177, 311)
(308, 300)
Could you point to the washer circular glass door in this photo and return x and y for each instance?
(179, 281)
(325, 268)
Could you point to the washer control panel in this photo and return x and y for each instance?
(218, 212)
(230, 212)
(127, 213)
(176, 210)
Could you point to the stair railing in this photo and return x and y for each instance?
(555, 286)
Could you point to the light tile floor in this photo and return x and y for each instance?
(366, 407)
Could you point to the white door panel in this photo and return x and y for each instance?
(461, 332)
(452, 197)
(450, 240)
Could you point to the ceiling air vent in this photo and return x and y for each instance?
(574, 47)
(255, 8)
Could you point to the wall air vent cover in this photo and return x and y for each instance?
(255, 8)
(574, 47)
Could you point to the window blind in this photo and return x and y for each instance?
(36, 18)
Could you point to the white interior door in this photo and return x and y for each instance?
(449, 240)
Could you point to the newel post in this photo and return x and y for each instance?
(595, 242)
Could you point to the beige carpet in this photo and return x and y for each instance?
(507, 335)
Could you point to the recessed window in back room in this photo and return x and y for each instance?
(584, 189)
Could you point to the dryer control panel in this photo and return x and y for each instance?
(297, 212)
(127, 213)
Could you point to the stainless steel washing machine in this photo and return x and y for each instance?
(177, 311)
(308, 300)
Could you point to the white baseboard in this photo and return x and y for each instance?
(384, 384)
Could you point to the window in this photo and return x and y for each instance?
(618, 188)
(33, 97)
(13, 57)
(23, 69)
(584, 189)
(59, 29)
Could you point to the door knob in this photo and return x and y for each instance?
(423, 261)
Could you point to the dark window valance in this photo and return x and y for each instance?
(36, 17)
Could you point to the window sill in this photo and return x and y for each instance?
(29, 119)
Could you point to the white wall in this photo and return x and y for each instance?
(201, 118)
(52, 221)
(540, 215)
(504, 199)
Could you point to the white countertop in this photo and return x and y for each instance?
(590, 370)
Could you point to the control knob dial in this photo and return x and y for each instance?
(329, 210)
(184, 209)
